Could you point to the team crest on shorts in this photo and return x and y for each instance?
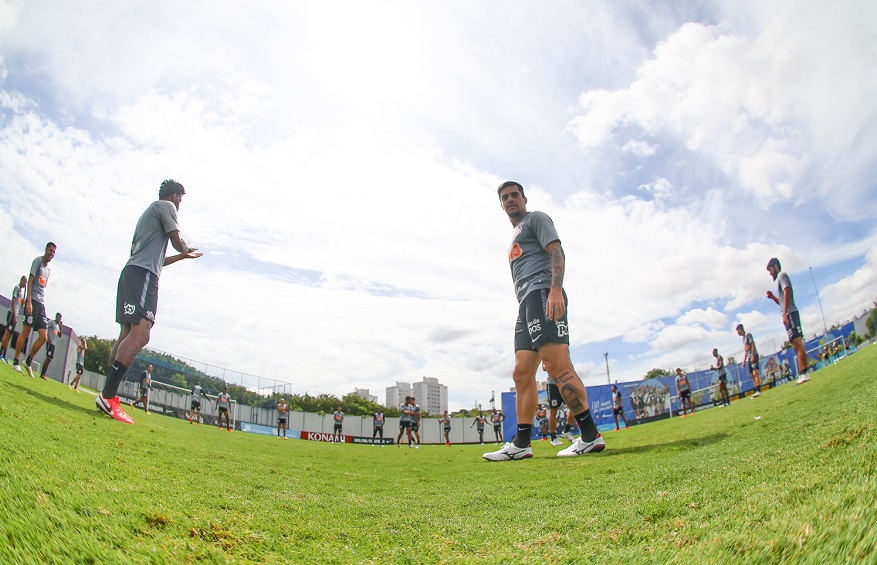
(562, 329)
(129, 309)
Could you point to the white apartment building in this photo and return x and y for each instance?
(396, 394)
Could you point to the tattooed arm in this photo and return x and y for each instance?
(555, 307)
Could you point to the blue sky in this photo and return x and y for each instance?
(341, 160)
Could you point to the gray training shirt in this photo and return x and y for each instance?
(53, 329)
(40, 274)
(783, 283)
(149, 245)
(530, 263)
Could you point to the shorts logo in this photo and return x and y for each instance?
(534, 326)
(129, 309)
(562, 330)
(150, 316)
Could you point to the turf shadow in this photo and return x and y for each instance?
(53, 400)
(680, 444)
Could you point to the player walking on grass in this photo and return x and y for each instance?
(145, 387)
(338, 417)
(722, 373)
(197, 394)
(496, 419)
(223, 402)
(16, 313)
(542, 418)
(405, 422)
(618, 407)
(785, 297)
(137, 296)
(80, 364)
(34, 308)
(480, 419)
(445, 423)
(53, 330)
(541, 332)
(750, 358)
(378, 427)
(416, 419)
(683, 389)
(282, 413)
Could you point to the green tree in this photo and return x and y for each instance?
(871, 322)
(97, 354)
(655, 373)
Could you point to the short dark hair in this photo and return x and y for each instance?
(774, 261)
(739, 326)
(51, 244)
(507, 184)
(169, 187)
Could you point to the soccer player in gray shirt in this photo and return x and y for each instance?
(53, 330)
(537, 265)
(750, 358)
(145, 387)
(137, 296)
(785, 297)
(16, 312)
(34, 307)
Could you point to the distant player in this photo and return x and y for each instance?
(785, 297)
(223, 404)
(137, 293)
(405, 422)
(197, 394)
(53, 331)
(13, 317)
(480, 419)
(34, 308)
(683, 389)
(555, 403)
(722, 373)
(338, 417)
(618, 408)
(282, 414)
(542, 418)
(145, 385)
(445, 423)
(538, 263)
(80, 364)
(378, 426)
(750, 358)
(496, 419)
(416, 418)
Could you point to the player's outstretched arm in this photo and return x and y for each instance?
(186, 250)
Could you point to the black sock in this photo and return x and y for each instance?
(29, 360)
(587, 426)
(522, 437)
(114, 378)
(566, 428)
(553, 436)
(2, 352)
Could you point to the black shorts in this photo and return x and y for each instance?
(144, 391)
(337, 427)
(136, 296)
(223, 410)
(480, 429)
(447, 429)
(415, 427)
(9, 325)
(196, 405)
(618, 411)
(555, 399)
(404, 425)
(497, 428)
(533, 329)
(50, 350)
(543, 421)
(723, 379)
(793, 328)
(281, 421)
(753, 365)
(79, 368)
(685, 394)
(37, 319)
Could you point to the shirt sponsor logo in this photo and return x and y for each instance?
(515, 251)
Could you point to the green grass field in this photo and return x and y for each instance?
(786, 477)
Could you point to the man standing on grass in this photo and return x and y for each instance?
(197, 394)
(34, 308)
(785, 297)
(16, 313)
(537, 265)
(378, 426)
(416, 419)
(445, 423)
(338, 417)
(618, 407)
(750, 358)
(80, 364)
(282, 413)
(223, 402)
(53, 330)
(145, 387)
(496, 419)
(542, 418)
(137, 296)
(480, 419)
(722, 373)
(404, 422)
(683, 389)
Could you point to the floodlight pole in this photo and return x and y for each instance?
(606, 356)
(824, 325)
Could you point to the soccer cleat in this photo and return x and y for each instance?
(148, 413)
(683, 415)
(568, 436)
(580, 447)
(802, 379)
(42, 376)
(112, 408)
(757, 393)
(509, 452)
(544, 439)
(284, 437)
(29, 370)
(556, 442)
(17, 367)
(616, 429)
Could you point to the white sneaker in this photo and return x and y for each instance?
(757, 393)
(556, 442)
(802, 379)
(17, 368)
(580, 447)
(28, 369)
(509, 452)
(568, 436)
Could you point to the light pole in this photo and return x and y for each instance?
(606, 356)
(824, 326)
